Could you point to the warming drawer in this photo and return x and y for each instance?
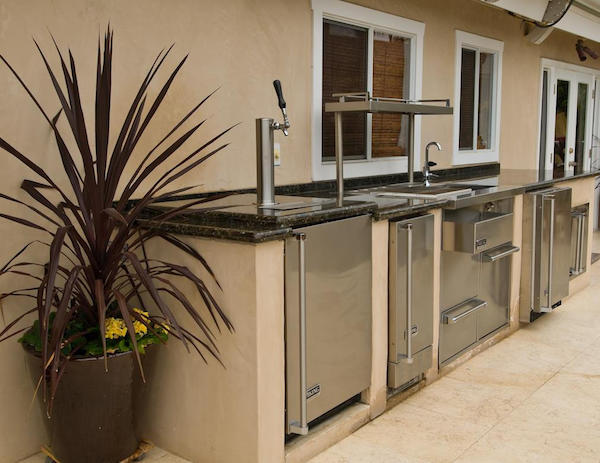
(458, 329)
(473, 231)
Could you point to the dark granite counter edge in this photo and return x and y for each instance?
(218, 231)
(544, 183)
(240, 230)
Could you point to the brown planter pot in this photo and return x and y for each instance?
(92, 416)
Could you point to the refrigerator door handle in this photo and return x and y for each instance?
(409, 246)
(302, 427)
(551, 199)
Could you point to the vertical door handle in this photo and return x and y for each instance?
(302, 427)
(581, 228)
(409, 246)
(550, 247)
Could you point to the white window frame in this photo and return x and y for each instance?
(593, 121)
(348, 13)
(485, 45)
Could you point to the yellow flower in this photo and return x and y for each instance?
(142, 313)
(139, 327)
(115, 328)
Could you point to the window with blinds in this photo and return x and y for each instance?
(350, 53)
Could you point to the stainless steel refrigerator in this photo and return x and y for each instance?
(546, 255)
(327, 318)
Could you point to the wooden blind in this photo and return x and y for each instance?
(467, 99)
(390, 68)
(344, 70)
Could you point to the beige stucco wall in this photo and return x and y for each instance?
(207, 412)
(241, 46)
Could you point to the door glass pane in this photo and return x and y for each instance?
(543, 122)
(467, 99)
(582, 96)
(344, 71)
(561, 125)
(486, 100)
(391, 79)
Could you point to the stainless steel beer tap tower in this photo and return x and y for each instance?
(265, 152)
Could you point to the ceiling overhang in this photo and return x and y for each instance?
(582, 19)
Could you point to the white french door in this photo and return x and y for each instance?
(567, 121)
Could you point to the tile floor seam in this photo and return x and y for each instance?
(505, 417)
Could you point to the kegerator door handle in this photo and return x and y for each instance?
(409, 277)
(551, 199)
(301, 427)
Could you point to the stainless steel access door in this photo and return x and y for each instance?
(494, 289)
(551, 257)
(410, 299)
(334, 332)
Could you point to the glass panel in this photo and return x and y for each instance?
(391, 79)
(467, 99)
(582, 96)
(544, 122)
(486, 101)
(560, 127)
(344, 70)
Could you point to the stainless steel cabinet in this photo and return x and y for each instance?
(475, 281)
(547, 251)
(410, 299)
(579, 239)
(327, 318)
(494, 289)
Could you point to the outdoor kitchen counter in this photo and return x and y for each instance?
(237, 217)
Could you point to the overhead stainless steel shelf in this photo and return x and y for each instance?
(389, 105)
(365, 103)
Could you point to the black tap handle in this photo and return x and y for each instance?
(431, 163)
(279, 92)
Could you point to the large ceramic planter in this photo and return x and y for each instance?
(92, 416)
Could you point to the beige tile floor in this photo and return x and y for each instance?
(533, 397)
(155, 455)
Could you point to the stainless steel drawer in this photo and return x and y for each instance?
(494, 288)
(473, 231)
(458, 329)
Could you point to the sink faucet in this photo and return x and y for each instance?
(265, 151)
(426, 172)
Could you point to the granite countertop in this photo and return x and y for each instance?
(237, 217)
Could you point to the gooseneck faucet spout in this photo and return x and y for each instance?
(426, 172)
(265, 151)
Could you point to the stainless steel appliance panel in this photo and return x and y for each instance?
(547, 250)
(459, 278)
(337, 263)
(471, 230)
(458, 328)
(494, 289)
(579, 239)
(410, 298)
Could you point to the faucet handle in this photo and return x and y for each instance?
(432, 164)
(279, 92)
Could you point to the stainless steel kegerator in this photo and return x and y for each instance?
(327, 318)
(546, 256)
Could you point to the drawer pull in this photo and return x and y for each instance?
(463, 310)
(499, 253)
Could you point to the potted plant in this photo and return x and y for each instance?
(98, 299)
